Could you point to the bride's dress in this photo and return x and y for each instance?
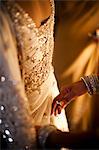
(35, 51)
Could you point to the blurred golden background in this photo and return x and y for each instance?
(76, 54)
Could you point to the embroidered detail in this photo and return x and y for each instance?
(36, 45)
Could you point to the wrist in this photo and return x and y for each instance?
(92, 83)
(43, 134)
(79, 88)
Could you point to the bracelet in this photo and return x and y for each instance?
(44, 133)
(92, 83)
(87, 84)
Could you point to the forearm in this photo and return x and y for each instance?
(88, 84)
(58, 139)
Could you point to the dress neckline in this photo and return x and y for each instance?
(30, 18)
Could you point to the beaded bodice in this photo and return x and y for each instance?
(36, 45)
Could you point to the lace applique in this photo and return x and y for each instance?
(36, 45)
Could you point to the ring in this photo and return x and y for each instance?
(58, 103)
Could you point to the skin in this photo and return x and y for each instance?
(66, 95)
(69, 93)
(73, 140)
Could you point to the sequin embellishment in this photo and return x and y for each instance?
(36, 45)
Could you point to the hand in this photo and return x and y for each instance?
(66, 95)
(43, 132)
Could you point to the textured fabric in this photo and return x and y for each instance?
(35, 44)
(15, 116)
(25, 105)
(36, 61)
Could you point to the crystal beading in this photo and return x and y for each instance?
(36, 46)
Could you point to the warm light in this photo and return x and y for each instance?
(88, 59)
(60, 121)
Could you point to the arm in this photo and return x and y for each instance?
(88, 84)
(52, 138)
